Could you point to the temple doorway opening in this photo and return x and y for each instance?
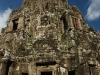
(71, 73)
(46, 73)
(24, 73)
(9, 62)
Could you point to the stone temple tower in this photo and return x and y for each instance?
(48, 37)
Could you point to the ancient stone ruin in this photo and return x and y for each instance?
(48, 37)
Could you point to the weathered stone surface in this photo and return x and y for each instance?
(48, 37)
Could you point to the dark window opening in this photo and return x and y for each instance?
(46, 73)
(65, 23)
(7, 67)
(47, 6)
(15, 24)
(45, 63)
(71, 73)
(64, 19)
(24, 73)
